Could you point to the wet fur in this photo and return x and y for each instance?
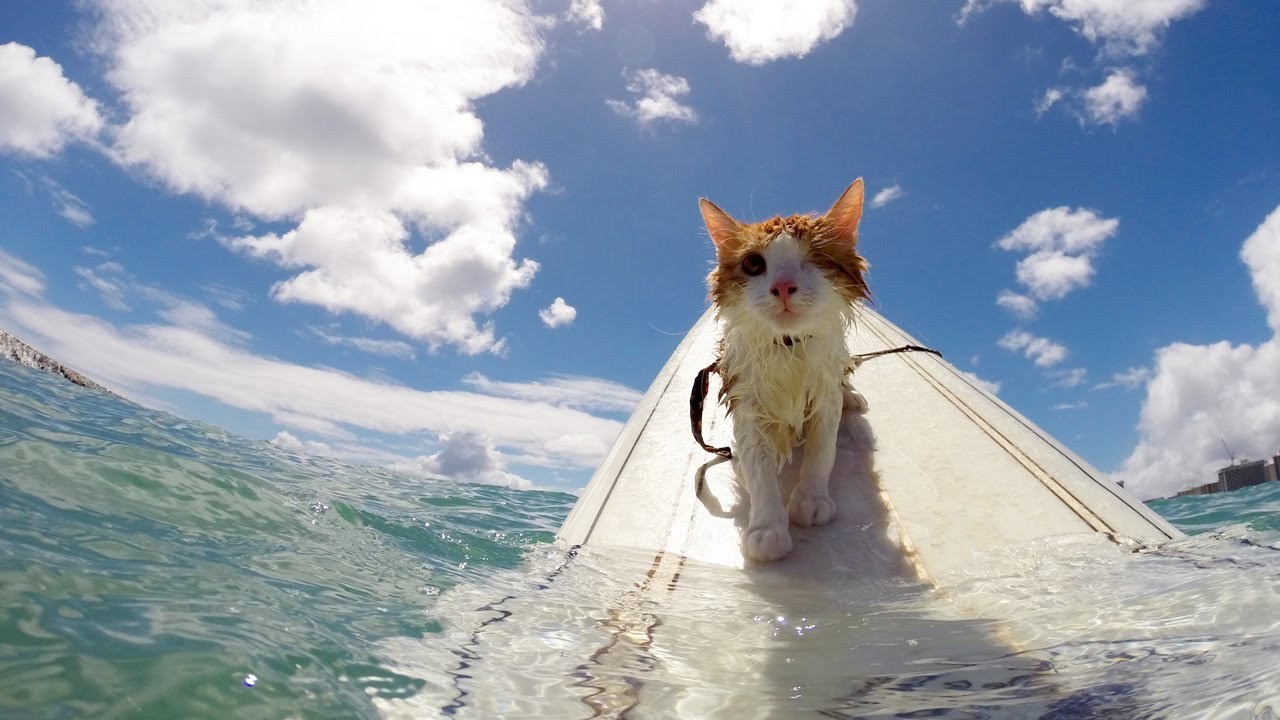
(784, 396)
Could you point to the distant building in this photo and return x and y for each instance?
(1206, 489)
(1239, 475)
(1234, 477)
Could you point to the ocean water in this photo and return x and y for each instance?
(152, 567)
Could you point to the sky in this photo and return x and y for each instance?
(460, 239)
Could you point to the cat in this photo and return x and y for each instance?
(785, 290)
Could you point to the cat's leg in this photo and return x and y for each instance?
(810, 504)
(767, 537)
(854, 400)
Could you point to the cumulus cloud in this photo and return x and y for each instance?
(761, 31)
(1121, 27)
(1021, 306)
(1062, 243)
(373, 144)
(587, 13)
(40, 109)
(1119, 97)
(469, 457)
(657, 98)
(558, 314)
(887, 195)
(1043, 351)
(190, 350)
(286, 440)
(1199, 395)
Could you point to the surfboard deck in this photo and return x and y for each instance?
(650, 609)
(937, 474)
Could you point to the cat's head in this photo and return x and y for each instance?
(788, 274)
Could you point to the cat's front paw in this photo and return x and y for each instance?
(808, 509)
(767, 543)
(855, 401)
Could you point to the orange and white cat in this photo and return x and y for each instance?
(785, 291)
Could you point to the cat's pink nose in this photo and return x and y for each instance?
(783, 288)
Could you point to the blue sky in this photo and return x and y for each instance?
(461, 238)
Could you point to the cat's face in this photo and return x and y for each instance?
(788, 274)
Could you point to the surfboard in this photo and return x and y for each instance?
(899, 607)
(936, 475)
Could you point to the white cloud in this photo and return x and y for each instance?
(192, 351)
(988, 385)
(1051, 97)
(1200, 395)
(887, 195)
(1063, 243)
(1070, 378)
(1129, 379)
(1062, 229)
(19, 277)
(1122, 27)
(658, 98)
(288, 441)
(373, 346)
(588, 13)
(761, 31)
(1020, 305)
(108, 280)
(1044, 352)
(374, 144)
(1051, 275)
(571, 391)
(1079, 405)
(469, 457)
(359, 263)
(40, 109)
(558, 314)
(1119, 97)
(67, 203)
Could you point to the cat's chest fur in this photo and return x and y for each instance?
(776, 388)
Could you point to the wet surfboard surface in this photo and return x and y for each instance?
(932, 477)
(958, 523)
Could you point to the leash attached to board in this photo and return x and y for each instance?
(702, 385)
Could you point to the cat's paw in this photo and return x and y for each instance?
(767, 543)
(808, 509)
(855, 401)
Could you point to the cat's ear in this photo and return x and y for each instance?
(723, 228)
(845, 215)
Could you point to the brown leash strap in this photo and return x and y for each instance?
(702, 385)
(698, 399)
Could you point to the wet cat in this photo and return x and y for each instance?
(785, 291)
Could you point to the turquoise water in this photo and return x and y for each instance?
(152, 567)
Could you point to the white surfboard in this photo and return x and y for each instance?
(937, 470)
(651, 611)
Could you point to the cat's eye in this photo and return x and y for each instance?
(753, 264)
